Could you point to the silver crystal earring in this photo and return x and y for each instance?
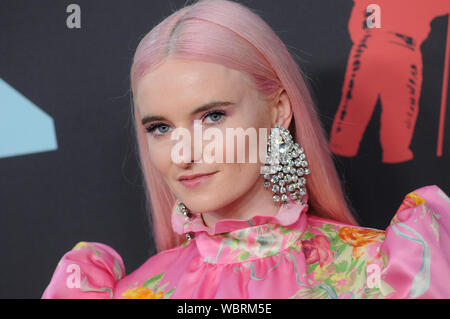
(285, 167)
(187, 215)
(184, 210)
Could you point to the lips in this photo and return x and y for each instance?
(195, 179)
(194, 176)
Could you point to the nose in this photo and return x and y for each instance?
(188, 149)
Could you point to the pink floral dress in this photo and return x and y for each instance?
(290, 255)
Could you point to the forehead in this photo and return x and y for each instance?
(189, 84)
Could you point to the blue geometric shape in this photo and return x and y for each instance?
(24, 127)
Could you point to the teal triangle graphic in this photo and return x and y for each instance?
(24, 127)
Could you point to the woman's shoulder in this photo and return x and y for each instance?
(93, 270)
(425, 203)
(89, 270)
(410, 257)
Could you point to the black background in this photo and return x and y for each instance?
(89, 189)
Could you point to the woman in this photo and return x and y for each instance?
(236, 231)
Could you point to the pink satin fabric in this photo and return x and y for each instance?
(290, 255)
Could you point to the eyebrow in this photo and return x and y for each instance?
(202, 108)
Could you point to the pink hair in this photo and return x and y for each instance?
(228, 33)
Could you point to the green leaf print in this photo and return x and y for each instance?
(243, 255)
(234, 244)
(353, 263)
(334, 244)
(153, 282)
(271, 253)
(371, 292)
(328, 231)
(311, 267)
(342, 266)
(328, 281)
(385, 288)
(285, 230)
(169, 293)
(343, 253)
(384, 257)
(361, 266)
(307, 235)
(185, 243)
(161, 288)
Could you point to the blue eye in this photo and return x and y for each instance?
(161, 128)
(215, 116)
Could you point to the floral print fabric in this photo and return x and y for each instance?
(291, 255)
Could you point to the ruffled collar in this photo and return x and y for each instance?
(236, 241)
(285, 216)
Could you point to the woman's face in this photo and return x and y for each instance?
(172, 95)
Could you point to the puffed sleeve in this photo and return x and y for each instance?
(417, 246)
(89, 271)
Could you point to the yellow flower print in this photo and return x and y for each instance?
(142, 293)
(338, 276)
(359, 238)
(80, 244)
(323, 273)
(410, 200)
(149, 289)
(416, 198)
(320, 273)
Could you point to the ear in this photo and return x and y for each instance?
(281, 109)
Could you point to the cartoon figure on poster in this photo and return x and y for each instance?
(385, 63)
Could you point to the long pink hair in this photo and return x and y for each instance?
(228, 33)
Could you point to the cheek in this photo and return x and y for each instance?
(245, 146)
(239, 178)
(160, 156)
